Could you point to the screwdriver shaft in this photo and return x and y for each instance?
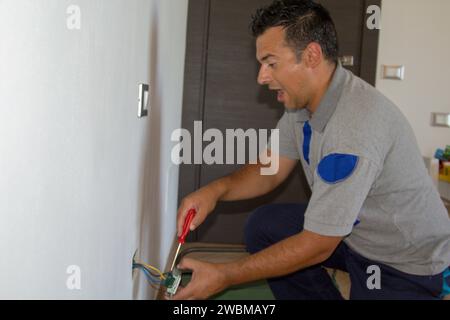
(175, 258)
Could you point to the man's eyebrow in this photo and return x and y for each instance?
(267, 57)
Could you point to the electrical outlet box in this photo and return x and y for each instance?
(133, 261)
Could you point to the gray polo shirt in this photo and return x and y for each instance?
(368, 179)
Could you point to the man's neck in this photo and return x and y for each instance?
(322, 87)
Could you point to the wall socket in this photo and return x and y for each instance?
(440, 120)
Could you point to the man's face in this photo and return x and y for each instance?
(280, 69)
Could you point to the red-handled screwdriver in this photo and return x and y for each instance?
(182, 239)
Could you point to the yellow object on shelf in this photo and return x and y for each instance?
(445, 172)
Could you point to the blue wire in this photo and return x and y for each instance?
(138, 265)
(149, 275)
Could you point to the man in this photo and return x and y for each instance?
(373, 206)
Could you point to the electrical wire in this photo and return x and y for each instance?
(150, 278)
(153, 281)
(154, 269)
(150, 268)
(149, 271)
(154, 284)
(135, 265)
(149, 275)
(154, 276)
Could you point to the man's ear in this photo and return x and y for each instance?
(313, 55)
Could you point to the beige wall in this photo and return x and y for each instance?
(416, 33)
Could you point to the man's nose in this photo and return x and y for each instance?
(263, 76)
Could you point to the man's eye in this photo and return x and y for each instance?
(272, 65)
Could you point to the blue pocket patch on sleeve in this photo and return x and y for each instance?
(336, 168)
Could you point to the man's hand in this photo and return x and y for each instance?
(207, 280)
(203, 201)
(295, 253)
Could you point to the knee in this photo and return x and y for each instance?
(257, 229)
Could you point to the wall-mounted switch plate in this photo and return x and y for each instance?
(143, 100)
(394, 72)
(347, 61)
(440, 120)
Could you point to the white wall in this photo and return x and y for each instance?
(415, 33)
(161, 186)
(83, 180)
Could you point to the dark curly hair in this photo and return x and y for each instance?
(304, 22)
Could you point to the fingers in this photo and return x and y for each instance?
(187, 293)
(183, 294)
(197, 219)
(203, 201)
(206, 280)
(188, 264)
(181, 216)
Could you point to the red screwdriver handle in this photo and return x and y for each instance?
(187, 223)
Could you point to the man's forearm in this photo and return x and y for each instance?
(290, 255)
(252, 181)
(246, 183)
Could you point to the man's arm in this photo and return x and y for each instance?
(298, 252)
(292, 254)
(246, 183)
(249, 183)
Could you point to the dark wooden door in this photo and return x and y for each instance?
(222, 92)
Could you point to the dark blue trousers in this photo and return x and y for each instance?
(273, 223)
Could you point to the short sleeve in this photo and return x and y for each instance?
(287, 141)
(342, 183)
